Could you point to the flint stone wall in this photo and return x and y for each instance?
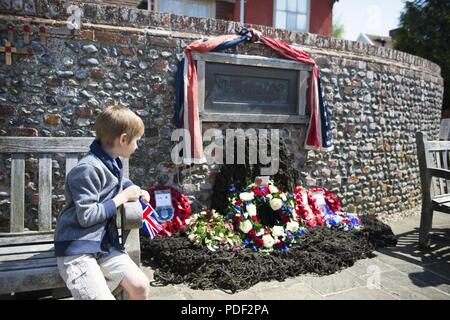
(378, 98)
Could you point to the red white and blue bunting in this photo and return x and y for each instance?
(318, 135)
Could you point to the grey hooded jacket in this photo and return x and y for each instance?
(87, 221)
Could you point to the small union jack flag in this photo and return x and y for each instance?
(150, 221)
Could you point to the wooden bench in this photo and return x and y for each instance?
(435, 181)
(27, 261)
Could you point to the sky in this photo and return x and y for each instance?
(367, 16)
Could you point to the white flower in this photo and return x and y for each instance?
(268, 241)
(246, 196)
(292, 226)
(260, 232)
(276, 204)
(251, 209)
(245, 226)
(192, 237)
(273, 189)
(278, 231)
(283, 197)
(188, 221)
(269, 196)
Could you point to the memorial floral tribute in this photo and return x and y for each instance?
(182, 210)
(264, 217)
(208, 228)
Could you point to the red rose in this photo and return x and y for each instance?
(238, 219)
(286, 219)
(238, 202)
(252, 234)
(259, 242)
(255, 218)
(280, 244)
(257, 191)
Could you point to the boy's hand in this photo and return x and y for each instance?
(129, 194)
(145, 196)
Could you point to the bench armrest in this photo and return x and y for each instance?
(439, 173)
(131, 215)
(131, 222)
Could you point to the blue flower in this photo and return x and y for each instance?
(246, 241)
(232, 188)
(229, 215)
(254, 248)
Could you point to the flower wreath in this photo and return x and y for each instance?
(264, 216)
(209, 228)
(331, 211)
(182, 210)
(307, 208)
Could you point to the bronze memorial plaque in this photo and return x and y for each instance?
(250, 89)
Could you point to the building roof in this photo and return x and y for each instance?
(375, 40)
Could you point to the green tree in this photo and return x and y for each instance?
(425, 31)
(338, 29)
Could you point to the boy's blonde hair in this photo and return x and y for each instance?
(115, 120)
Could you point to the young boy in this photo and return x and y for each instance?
(90, 258)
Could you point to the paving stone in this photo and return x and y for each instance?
(361, 294)
(441, 268)
(167, 297)
(334, 283)
(431, 279)
(362, 267)
(400, 285)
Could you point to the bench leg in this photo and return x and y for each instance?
(425, 226)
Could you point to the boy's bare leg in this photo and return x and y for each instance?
(136, 285)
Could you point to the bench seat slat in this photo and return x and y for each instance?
(26, 240)
(27, 256)
(30, 280)
(27, 264)
(26, 249)
(442, 198)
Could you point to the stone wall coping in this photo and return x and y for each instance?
(146, 31)
(194, 27)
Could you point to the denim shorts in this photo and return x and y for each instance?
(95, 276)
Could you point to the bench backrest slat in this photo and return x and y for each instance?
(445, 166)
(18, 147)
(71, 161)
(17, 193)
(44, 145)
(432, 154)
(45, 192)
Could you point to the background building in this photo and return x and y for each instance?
(314, 16)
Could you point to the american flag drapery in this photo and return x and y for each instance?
(318, 136)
